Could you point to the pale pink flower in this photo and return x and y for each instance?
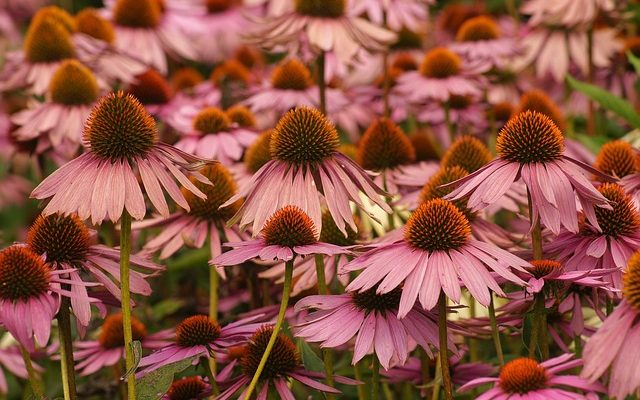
(567, 13)
(12, 361)
(397, 14)
(461, 373)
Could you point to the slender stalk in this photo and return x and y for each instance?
(495, 333)
(536, 340)
(444, 347)
(210, 372)
(36, 388)
(375, 377)
(390, 217)
(66, 350)
(473, 343)
(125, 252)
(327, 354)
(362, 393)
(424, 371)
(435, 395)
(117, 373)
(214, 280)
(447, 120)
(322, 85)
(577, 343)
(536, 232)
(288, 275)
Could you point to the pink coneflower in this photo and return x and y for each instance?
(617, 158)
(58, 122)
(154, 91)
(284, 362)
(143, 30)
(211, 134)
(397, 14)
(66, 244)
(14, 189)
(461, 373)
(305, 164)
(108, 349)
(11, 360)
(321, 26)
(565, 12)
(189, 388)
(480, 38)
(526, 379)
(615, 344)
(289, 232)
(119, 135)
(200, 336)
(437, 254)
(371, 319)
(530, 147)
(30, 295)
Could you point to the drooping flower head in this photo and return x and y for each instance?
(617, 158)
(189, 388)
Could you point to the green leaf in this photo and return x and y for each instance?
(310, 359)
(635, 61)
(611, 102)
(155, 384)
(136, 346)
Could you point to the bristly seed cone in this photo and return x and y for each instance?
(230, 71)
(58, 15)
(617, 158)
(197, 330)
(530, 137)
(321, 8)
(211, 120)
(259, 153)
(119, 128)
(405, 62)
(112, 333)
(543, 268)
(222, 188)
(91, 23)
(440, 63)
(73, 84)
(537, 100)
(370, 301)
(289, 227)
(291, 75)
(248, 56)
(23, 274)
(218, 6)
(282, 360)
(502, 111)
(467, 152)
(150, 87)
(185, 79)
(624, 218)
(422, 143)
(242, 116)
(137, 13)
(477, 29)
(432, 190)
(384, 145)
(304, 136)
(631, 281)
(188, 388)
(64, 239)
(522, 375)
(331, 234)
(47, 41)
(437, 225)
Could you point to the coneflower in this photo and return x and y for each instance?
(480, 39)
(189, 388)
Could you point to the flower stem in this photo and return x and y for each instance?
(125, 252)
(447, 120)
(327, 354)
(322, 86)
(495, 333)
(536, 232)
(214, 280)
(538, 332)
(444, 346)
(435, 394)
(66, 350)
(375, 377)
(36, 388)
(288, 275)
(362, 394)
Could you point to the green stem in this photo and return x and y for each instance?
(36, 388)
(327, 354)
(495, 333)
(288, 275)
(435, 395)
(538, 336)
(444, 346)
(375, 377)
(473, 343)
(322, 86)
(125, 252)
(210, 372)
(214, 280)
(66, 350)
(536, 232)
(447, 120)
(577, 341)
(362, 393)
(424, 369)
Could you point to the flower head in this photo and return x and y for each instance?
(188, 388)
(539, 101)
(530, 137)
(384, 145)
(91, 23)
(617, 158)
(478, 29)
(47, 40)
(467, 152)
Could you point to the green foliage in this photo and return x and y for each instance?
(155, 384)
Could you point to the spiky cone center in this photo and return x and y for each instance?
(282, 360)
(624, 218)
(91, 23)
(454, 15)
(437, 225)
(119, 128)
(542, 268)
(304, 136)
(197, 330)
(405, 62)
(537, 100)
(218, 6)
(230, 70)
(617, 158)
(64, 239)
(477, 29)
(58, 15)
(530, 137)
(522, 375)
(440, 63)
(211, 120)
(47, 41)
(331, 234)
(289, 227)
(370, 301)
(248, 56)
(150, 87)
(223, 187)
(432, 190)
(631, 281)
(424, 146)
(242, 116)
(467, 152)
(259, 153)
(23, 274)
(138, 13)
(502, 111)
(408, 40)
(73, 84)
(321, 8)
(291, 75)
(112, 331)
(384, 145)
(187, 388)
(185, 79)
